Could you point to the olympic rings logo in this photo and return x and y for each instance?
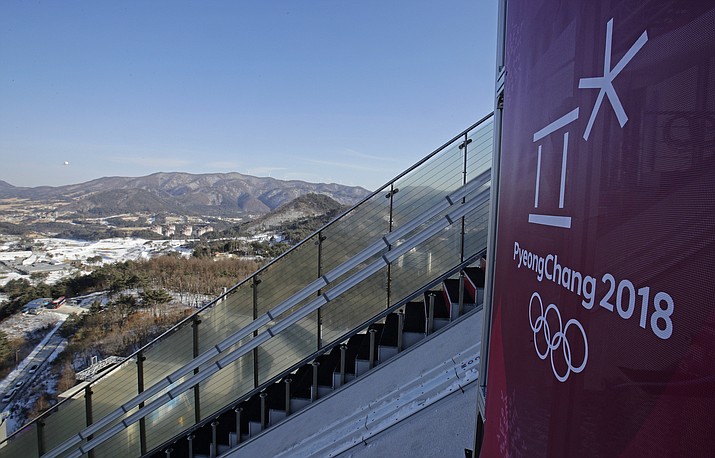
(558, 339)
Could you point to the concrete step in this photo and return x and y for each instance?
(411, 338)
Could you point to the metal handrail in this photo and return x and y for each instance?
(212, 303)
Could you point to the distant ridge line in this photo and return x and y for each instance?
(181, 192)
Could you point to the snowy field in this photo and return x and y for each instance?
(111, 250)
(52, 256)
(19, 325)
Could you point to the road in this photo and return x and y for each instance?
(30, 367)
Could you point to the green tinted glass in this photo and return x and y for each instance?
(23, 443)
(355, 231)
(227, 385)
(66, 422)
(286, 348)
(281, 280)
(479, 151)
(170, 419)
(230, 314)
(355, 306)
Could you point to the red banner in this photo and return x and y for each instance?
(603, 332)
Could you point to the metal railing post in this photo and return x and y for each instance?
(464, 146)
(197, 400)
(264, 419)
(88, 413)
(400, 329)
(287, 382)
(372, 333)
(318, 314)
(140, 388)
(460, 309)
(390, 195)
(314, 386)
(430, 314)
(343, 355)
(190, 439)
(41, 437)
(254, 285)
(214, 440)
(237, 411)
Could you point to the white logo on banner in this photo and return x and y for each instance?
(604, 84)
(557, 340)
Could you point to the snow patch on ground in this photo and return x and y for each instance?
(20, 324)
(55, 354)
(53, 256)
(8, 276)
(111, 250)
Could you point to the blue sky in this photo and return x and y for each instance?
(351, 92)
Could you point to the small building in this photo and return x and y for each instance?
(36, 304)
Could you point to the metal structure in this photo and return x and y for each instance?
(350, 273)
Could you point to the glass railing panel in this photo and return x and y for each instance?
(296, 342)
(357, 230)
(227, 385)
(119, 384)
(428, 185)
(293, 272)
(66, 422)
(24, 443)
(345, 312)
(169, 355)
(125, 443)
(170, 419)
(230, 314)
(479, 160)
(476, 225)
(426, 262)
(163, 359)
(479, 151)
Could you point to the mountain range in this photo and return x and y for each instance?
(178, 192)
